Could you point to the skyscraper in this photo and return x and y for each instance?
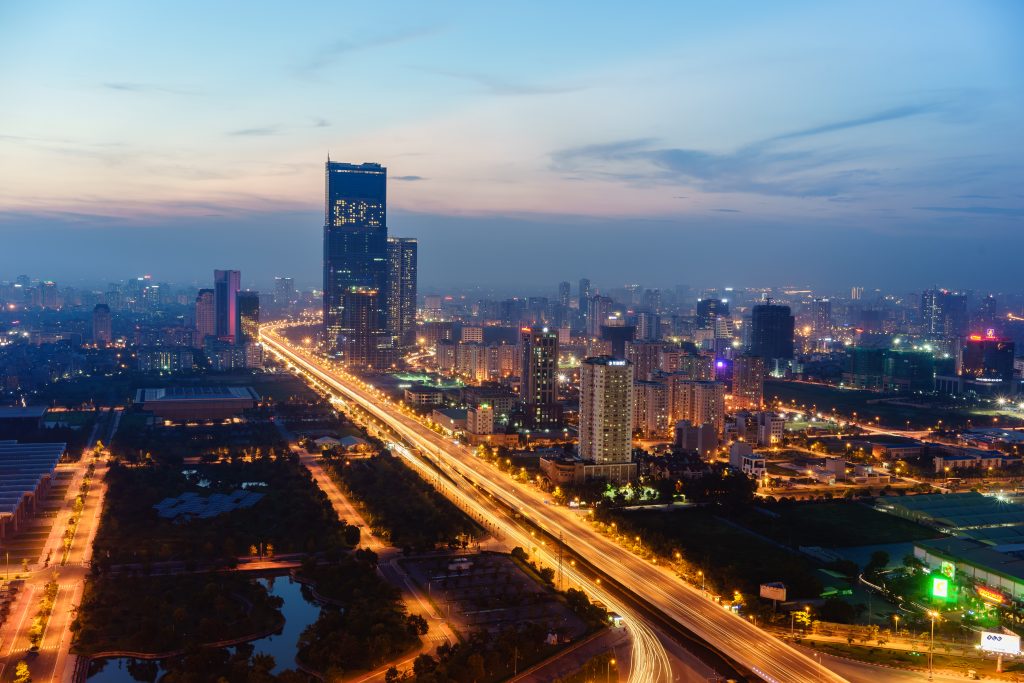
(821, 318)
(583, 293)
(564, 292)
(943, 313)
(598, 309)
(249, 314)
(206, 321)
(771, 335)
(538, 348)
(709, 309)
(101, 327)
(284, 291)
(606, 410)
(226, 284)
(355, 239)
(401, 301)
(361, 340)
(748, 382)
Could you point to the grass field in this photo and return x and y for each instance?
(835, 524)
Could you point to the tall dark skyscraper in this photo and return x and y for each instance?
(355, 240)
(709, 309)
(101, 328)
(539, 377)
(401, 301)
(943, 313)
(249, 314)
(771, 335)
(564, 292)
(226, 284)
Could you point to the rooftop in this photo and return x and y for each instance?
(197, 393)
(22, 468)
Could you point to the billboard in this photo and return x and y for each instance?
(948, 569)
(940, 587)
(1003, 643)
(774, 591)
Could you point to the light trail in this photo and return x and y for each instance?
(735, 637)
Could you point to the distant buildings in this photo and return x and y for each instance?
(985, 367)
(205, 316)
(249, 315)
(102, 333)
(226, 285)
(748, 382)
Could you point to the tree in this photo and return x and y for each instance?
(392, 675)
(21, 673)
(417, 625)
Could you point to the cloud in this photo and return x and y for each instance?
(408, 178)
(771, 166)
(978, 210)
(330, 53)
(976, 196)
(321, 123)
(494, 85)
(727, 210)
(130, 86)
(260, 131)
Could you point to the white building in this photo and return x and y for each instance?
(606, 410)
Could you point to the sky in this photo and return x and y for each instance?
(726, 143)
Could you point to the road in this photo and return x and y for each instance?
(764, 655)
(54, 662)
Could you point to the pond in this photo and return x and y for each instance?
(299, 611)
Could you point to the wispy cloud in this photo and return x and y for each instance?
(330, 53)
(408, 178)
(977, 210)
(131, 86)
(771, 166)
(495, 85)
(258, 131)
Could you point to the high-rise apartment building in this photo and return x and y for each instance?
(401, 301)
(701, 403)
(101, 325)
(226, 285)
(355, 241)
(206, 319)
(538, 349)
(606, 410)
(645, 356)
(771, 334)
(284, 291)
(748, 382)
(599, 308)
(821, 318)
(361, 341)
(249, 314)
(583, 293)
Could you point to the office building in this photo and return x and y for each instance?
(583, 294)
(226, 285)
(821, 318)
(771, 335)
(355, 244)
(606, 410)
(102, 333)
(205, 317)
(710, 309)
(401, 301)
(564, 294)
(361, 341)
(748, 382)
(599, 308)
(987, 361)
(943, 313)
(538, 352)
(249, 314)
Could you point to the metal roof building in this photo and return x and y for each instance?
(25, 473)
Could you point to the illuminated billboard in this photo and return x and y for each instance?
(1003, 643)
(940, 587)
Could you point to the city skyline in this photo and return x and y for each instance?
(811, 131)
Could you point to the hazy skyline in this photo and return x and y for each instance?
(871, 144)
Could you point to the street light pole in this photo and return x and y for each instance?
(931, 647)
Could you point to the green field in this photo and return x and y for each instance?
(835, 524)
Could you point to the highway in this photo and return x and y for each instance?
(768, 658)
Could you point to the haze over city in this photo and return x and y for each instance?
(873, 143)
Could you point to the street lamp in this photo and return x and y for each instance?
(933, 615)
(608, 671)
(700, 573)
(896, 618)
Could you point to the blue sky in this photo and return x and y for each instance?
(588, 138)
